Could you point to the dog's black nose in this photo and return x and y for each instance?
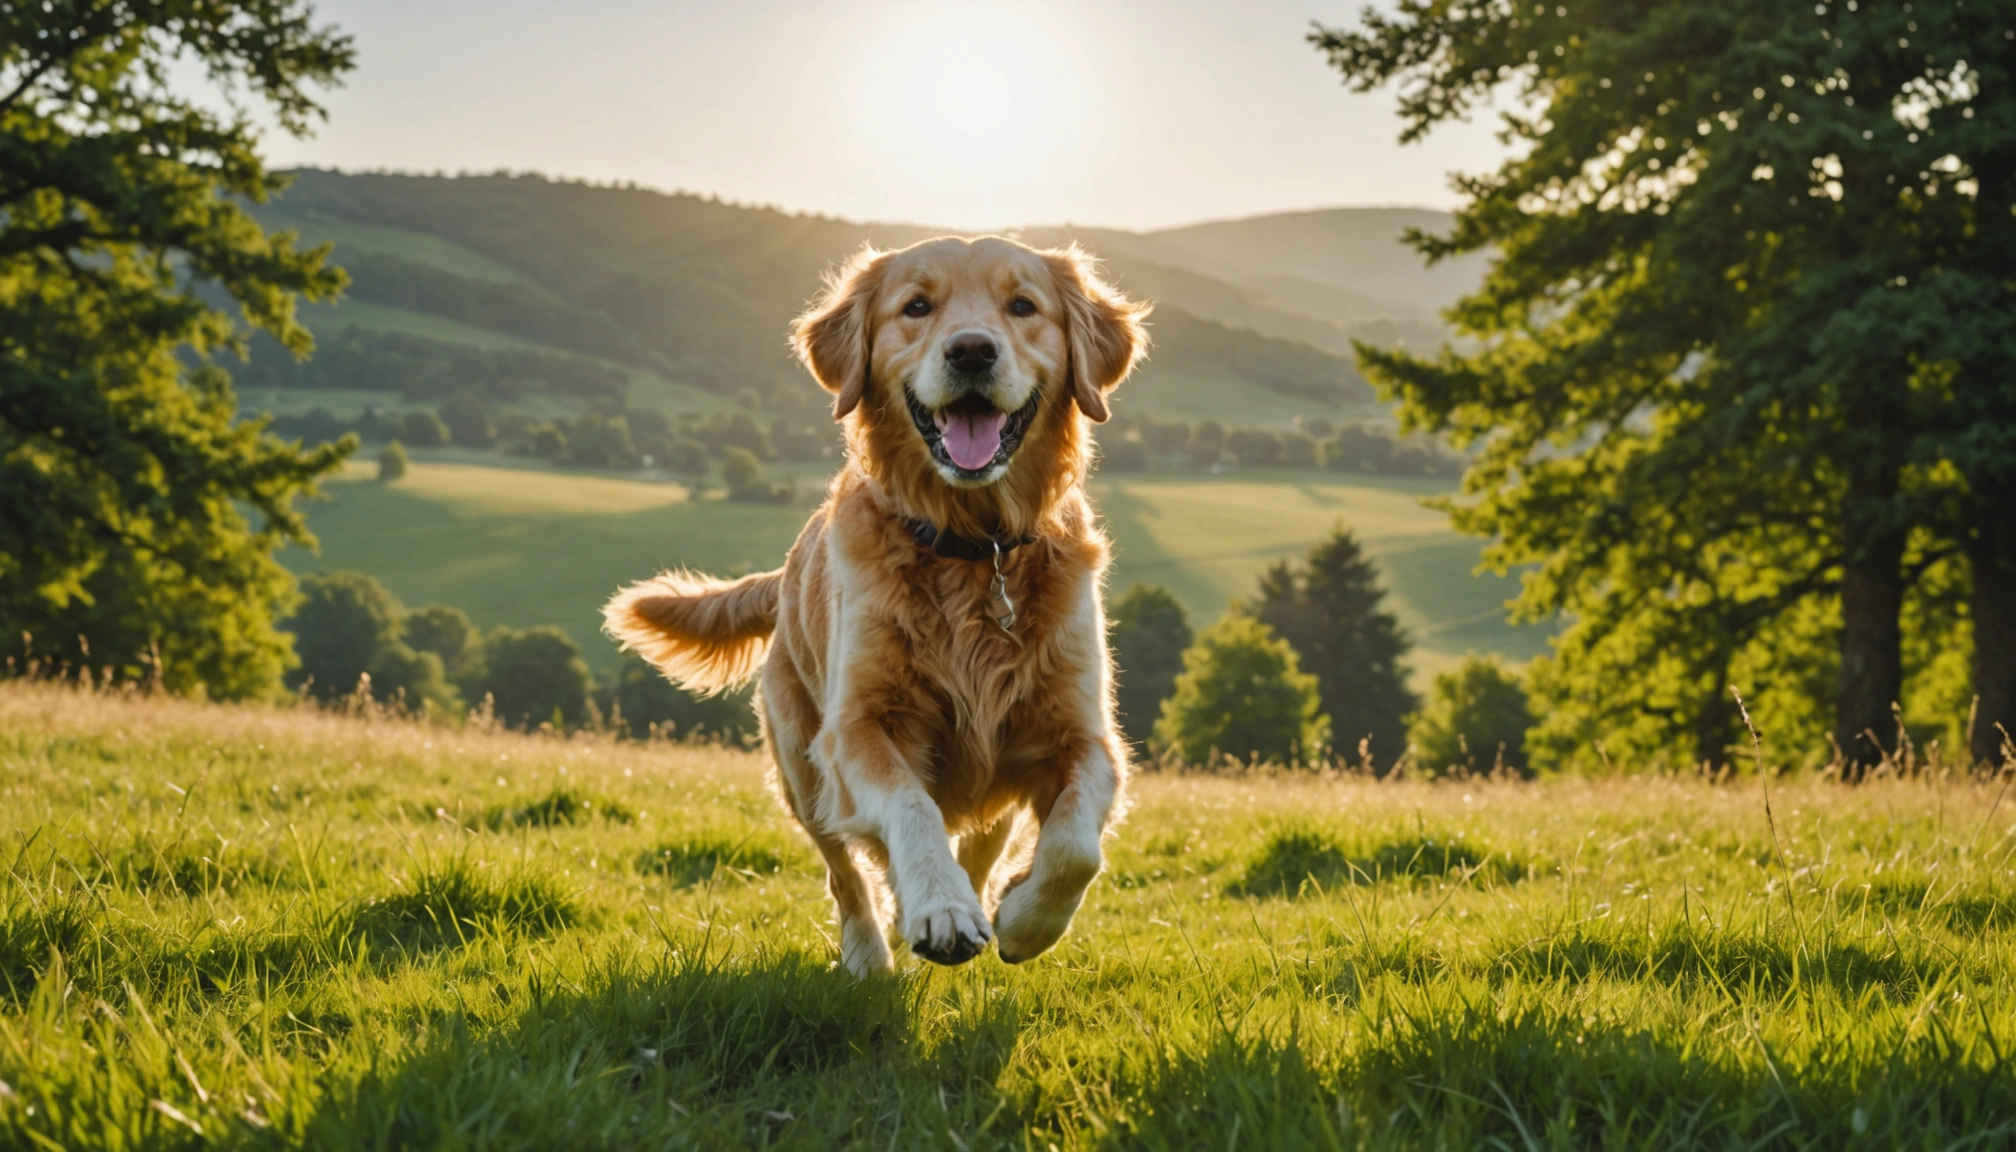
(971, 352)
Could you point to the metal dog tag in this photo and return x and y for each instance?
(997, 591)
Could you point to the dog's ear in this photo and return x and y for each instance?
(831, 337)
(1104, 328)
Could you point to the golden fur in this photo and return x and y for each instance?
(898, 712)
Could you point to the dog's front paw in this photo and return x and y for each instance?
(947, 931)
(1026, 925)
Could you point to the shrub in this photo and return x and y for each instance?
(447, 633)
(1206, 443)
(742, 472)
(1475, 721)
(348, 626)
(533, 675)
(467, 423)
(1243, 694)
(1148, 634)
(1252, 447)
(648, 703)
(549, 443)
(392, 462)
(423, 430)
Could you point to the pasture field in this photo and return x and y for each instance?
(261, 927)
(529, 545)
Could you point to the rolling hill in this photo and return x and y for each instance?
(689, 297)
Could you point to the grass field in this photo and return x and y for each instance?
(264, 928)
(528, 545)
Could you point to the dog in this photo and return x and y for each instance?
(932, 655)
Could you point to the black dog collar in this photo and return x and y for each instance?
(952, 544)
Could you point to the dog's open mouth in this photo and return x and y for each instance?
(970, 435)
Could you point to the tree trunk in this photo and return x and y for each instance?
(1712, 721)
(1872, 663)
(1994, 610)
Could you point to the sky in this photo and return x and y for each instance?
(1121, 113)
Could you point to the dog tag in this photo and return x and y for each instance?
(1002, 608)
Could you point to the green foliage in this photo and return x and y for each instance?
(392, 463)
(447, 633)
(348, 627)
(467, 421)
(423, 369)
(1474, 722)
(1242, 694)
(1329, 607)
(648, 704)
(742, 472)
(1148, 634)
(533, 676)
(137, 516)
(424, 430)
(1748, 327)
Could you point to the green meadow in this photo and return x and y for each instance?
(530, 545)
(253, 927)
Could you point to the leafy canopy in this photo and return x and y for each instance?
(1746, 249)
(133, 510)
(1242, 694)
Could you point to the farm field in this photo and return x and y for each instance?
(252, 927)
(526, 545)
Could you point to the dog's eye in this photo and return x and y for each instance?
(917, 307)
(1022, 306)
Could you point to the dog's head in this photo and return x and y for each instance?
(965, 366)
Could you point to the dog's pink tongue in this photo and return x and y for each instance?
(972, 440)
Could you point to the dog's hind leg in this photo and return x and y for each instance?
(863, 948)
(1037, 906)
(788, 724)
(981, 848)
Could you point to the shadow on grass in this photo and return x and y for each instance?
(704, 857)
(1956, 906)
(1457, 1072)
(560, 808)
(773, 1050)
(453, 903)
(1740, 962)
(1296, 860)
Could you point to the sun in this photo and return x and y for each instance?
(977, 107)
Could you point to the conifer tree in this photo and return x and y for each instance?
(1148, 634)
(1752, 264)
(1329, 607)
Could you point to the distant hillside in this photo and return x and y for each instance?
(687, 299)
(1358, 249)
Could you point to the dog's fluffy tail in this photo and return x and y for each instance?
(705, 634)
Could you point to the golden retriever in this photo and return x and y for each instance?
(933, 653)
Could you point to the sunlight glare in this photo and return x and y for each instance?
(975, 105)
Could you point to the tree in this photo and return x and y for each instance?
(648, 702)
(1475, 721)
(467, 421)
(1329, 608)
(392, 462)
(1745, 250)
(1148, 634)
(423, 430)
(533, 675)
(1242, 694)
(134, 508)
(447, 633)
(349, 626)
